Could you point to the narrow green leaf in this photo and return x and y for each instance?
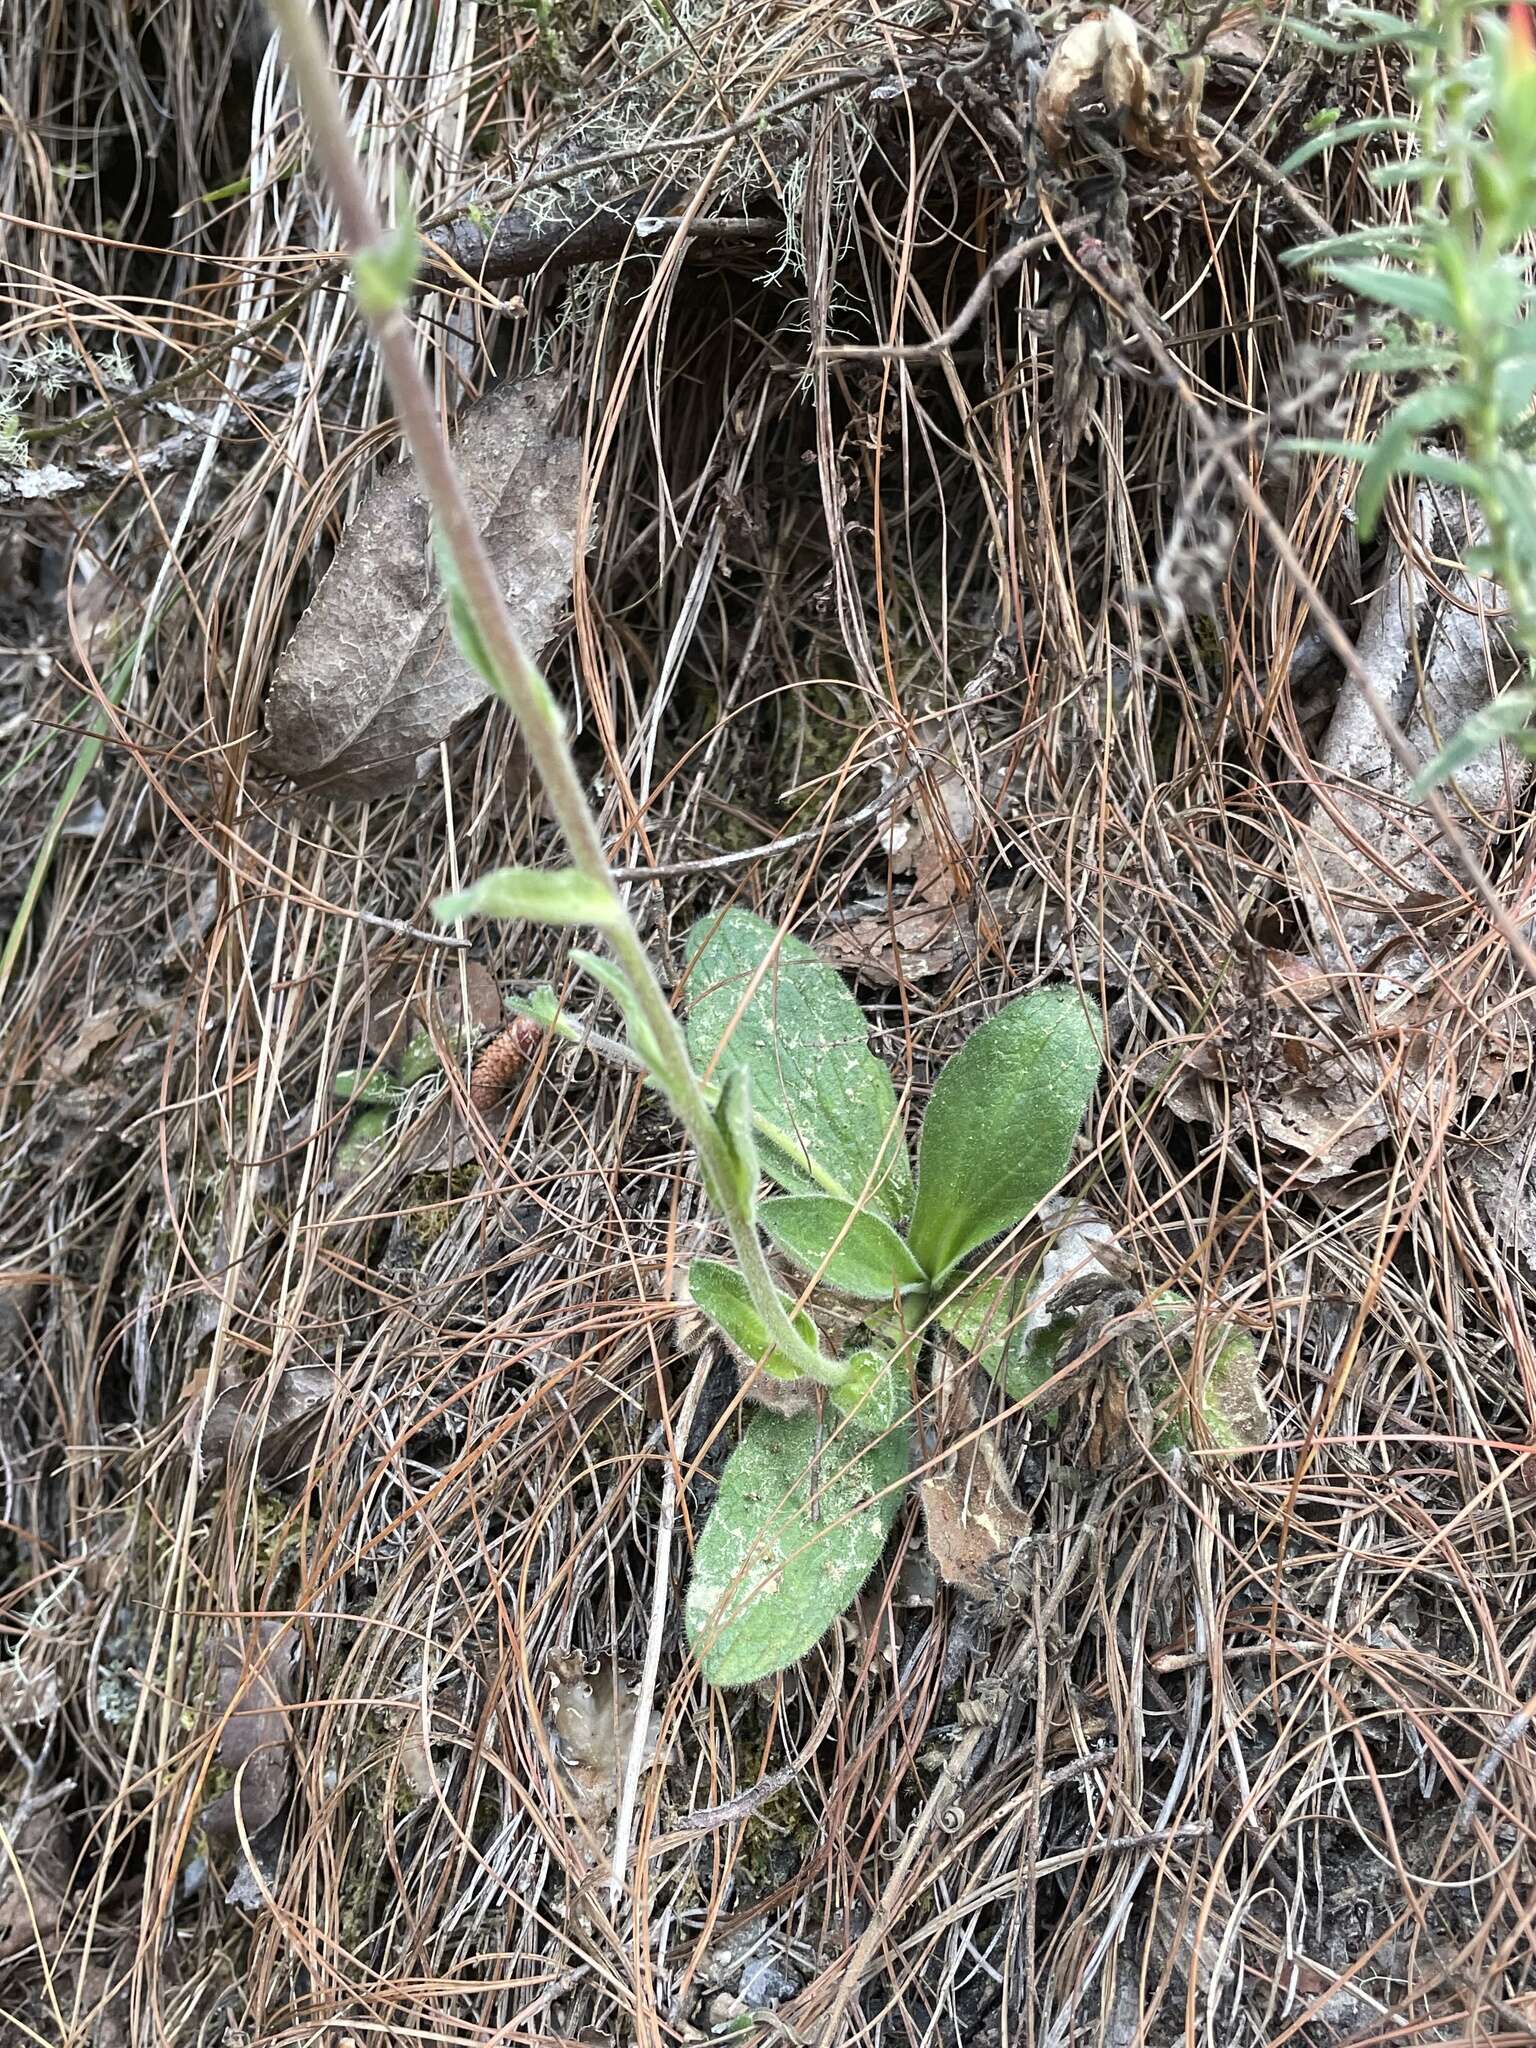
(365, 1084)
(1397, 357)
(471, 644)
(824, 1108)
(1409, 291)
(795, 1531)
(545, 896)
(1345, 131)
(1418, 413)
(612, 978)
(733, 1119)
(722, 1293)
(1000, 1127)
(847, 1248)
(1505, 717)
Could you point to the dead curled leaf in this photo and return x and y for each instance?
(932, 839)
(1154, 103)
(974, 1523)
(255, 1683)
(371, 681)
(1372, 855)
(277, 1421)
(1312, 1077)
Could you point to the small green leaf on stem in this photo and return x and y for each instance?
(795, 1531)
(1001, 1124)
(721, 1292)
(382, 275)
(733, 1119)
(850, 1249)
(562, 896)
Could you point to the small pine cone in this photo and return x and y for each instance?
(499, 1065)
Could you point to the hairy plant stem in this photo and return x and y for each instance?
(520, 683)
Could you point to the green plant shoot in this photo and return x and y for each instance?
(1455, 285)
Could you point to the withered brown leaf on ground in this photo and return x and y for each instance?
(255, 1683)
(593, 1704)
(971, 1513)
(371, 680)
(278, 1421)
(35, 1875)
(1324, 1065)
(1371, 857)
(932, 839)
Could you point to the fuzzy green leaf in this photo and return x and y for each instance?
(1506, 717)
(1409, 291)
(1000, 1127)
(617, 983)
(986, 1316)
(850, 1249)
(722, 1293)
(367, 1135)
(824, 1108)
(546, 896)
(873, 1396)
(792, 1537)
(1232, 1412)
(366, 1084)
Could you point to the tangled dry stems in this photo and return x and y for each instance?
(1242, 1751)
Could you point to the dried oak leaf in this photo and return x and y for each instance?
(371, 680)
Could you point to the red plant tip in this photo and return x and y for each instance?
(1522, 36)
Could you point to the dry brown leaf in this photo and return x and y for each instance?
(974, 1523)
(1310, 1078)
(1372, 855)
(371, 680)
(34, 1876)
(278, 1422)
(593, 1704)
(254, 1685)
(1154, 103)
(1076, 65)
(931, 840)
